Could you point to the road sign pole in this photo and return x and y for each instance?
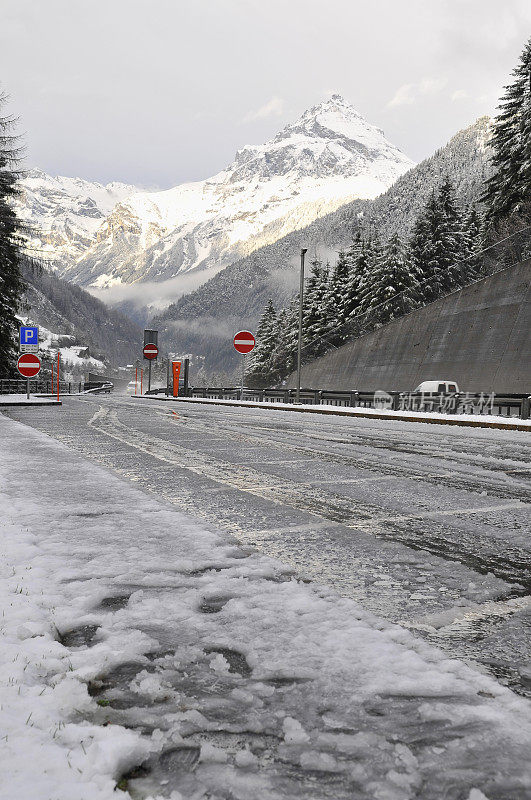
(185, 379)
(243, 342)
(141, 377)
(299, 342)
(136, 379)
(27, 388)
(58, 362)
(168, 376)
(149, 377)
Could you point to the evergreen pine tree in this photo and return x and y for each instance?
(393, 285)
(452, 236)
(422, 253)
(361, 284)
(358, 263)
(259, 369)
(11, 285)
(284, 356)
(316, 309)
(437, 246)
(473, 244)
(335, 296)
(508, 190)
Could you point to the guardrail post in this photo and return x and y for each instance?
(525, 408)
(186, 376)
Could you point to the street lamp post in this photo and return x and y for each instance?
(299, 344)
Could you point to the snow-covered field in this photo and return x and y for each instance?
(131, 633)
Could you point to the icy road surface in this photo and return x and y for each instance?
(242, 683)
(427, 527)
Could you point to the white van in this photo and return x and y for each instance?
(437, 387)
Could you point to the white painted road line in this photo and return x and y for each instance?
(516, 504)
(309, 526)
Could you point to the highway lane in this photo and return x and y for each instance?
(424, 525)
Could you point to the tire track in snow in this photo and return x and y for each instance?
(353, 514)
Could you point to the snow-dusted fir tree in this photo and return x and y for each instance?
(259, 369)
(508, 190)
(361, 283)
(473, 231)
(11, 286)
(337, 289)
(315, 311)
(358, 259)
(422, 252)
(452, 237)
(284, 355)
(437, 246)
(393, 287)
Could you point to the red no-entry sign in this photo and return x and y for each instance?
(28, 365)
(244, 342)
(151, 351)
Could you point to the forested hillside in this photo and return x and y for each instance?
(62, 307)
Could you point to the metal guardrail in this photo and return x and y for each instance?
(37, 386)
(98, 388)
(503, 405)
(506, 405)
(18, 386)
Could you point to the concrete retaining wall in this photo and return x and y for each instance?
(478, 336)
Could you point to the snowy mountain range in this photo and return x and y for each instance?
(62, 215)
(101, 236)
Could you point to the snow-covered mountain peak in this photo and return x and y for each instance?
(332, 117)
(331, 138)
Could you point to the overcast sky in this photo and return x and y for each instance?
(156, 92)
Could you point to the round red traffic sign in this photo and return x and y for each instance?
(244, 341)
(151, 351)
(28, 365)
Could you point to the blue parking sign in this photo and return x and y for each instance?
(29, 339)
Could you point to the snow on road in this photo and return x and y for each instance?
(142, 648)
(23, 400)
(325, 408)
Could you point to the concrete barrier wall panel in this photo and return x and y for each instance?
(478, 336)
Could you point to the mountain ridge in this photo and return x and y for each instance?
(238, 295)
(61, 215)
(327, 157)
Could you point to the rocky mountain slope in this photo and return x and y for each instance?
(93, 330)
(202, 321)
(329, 156)
(61, 215)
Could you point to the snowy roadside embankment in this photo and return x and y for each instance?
(479, 420)
(47, 750)
(131, 634)
(23, 400)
